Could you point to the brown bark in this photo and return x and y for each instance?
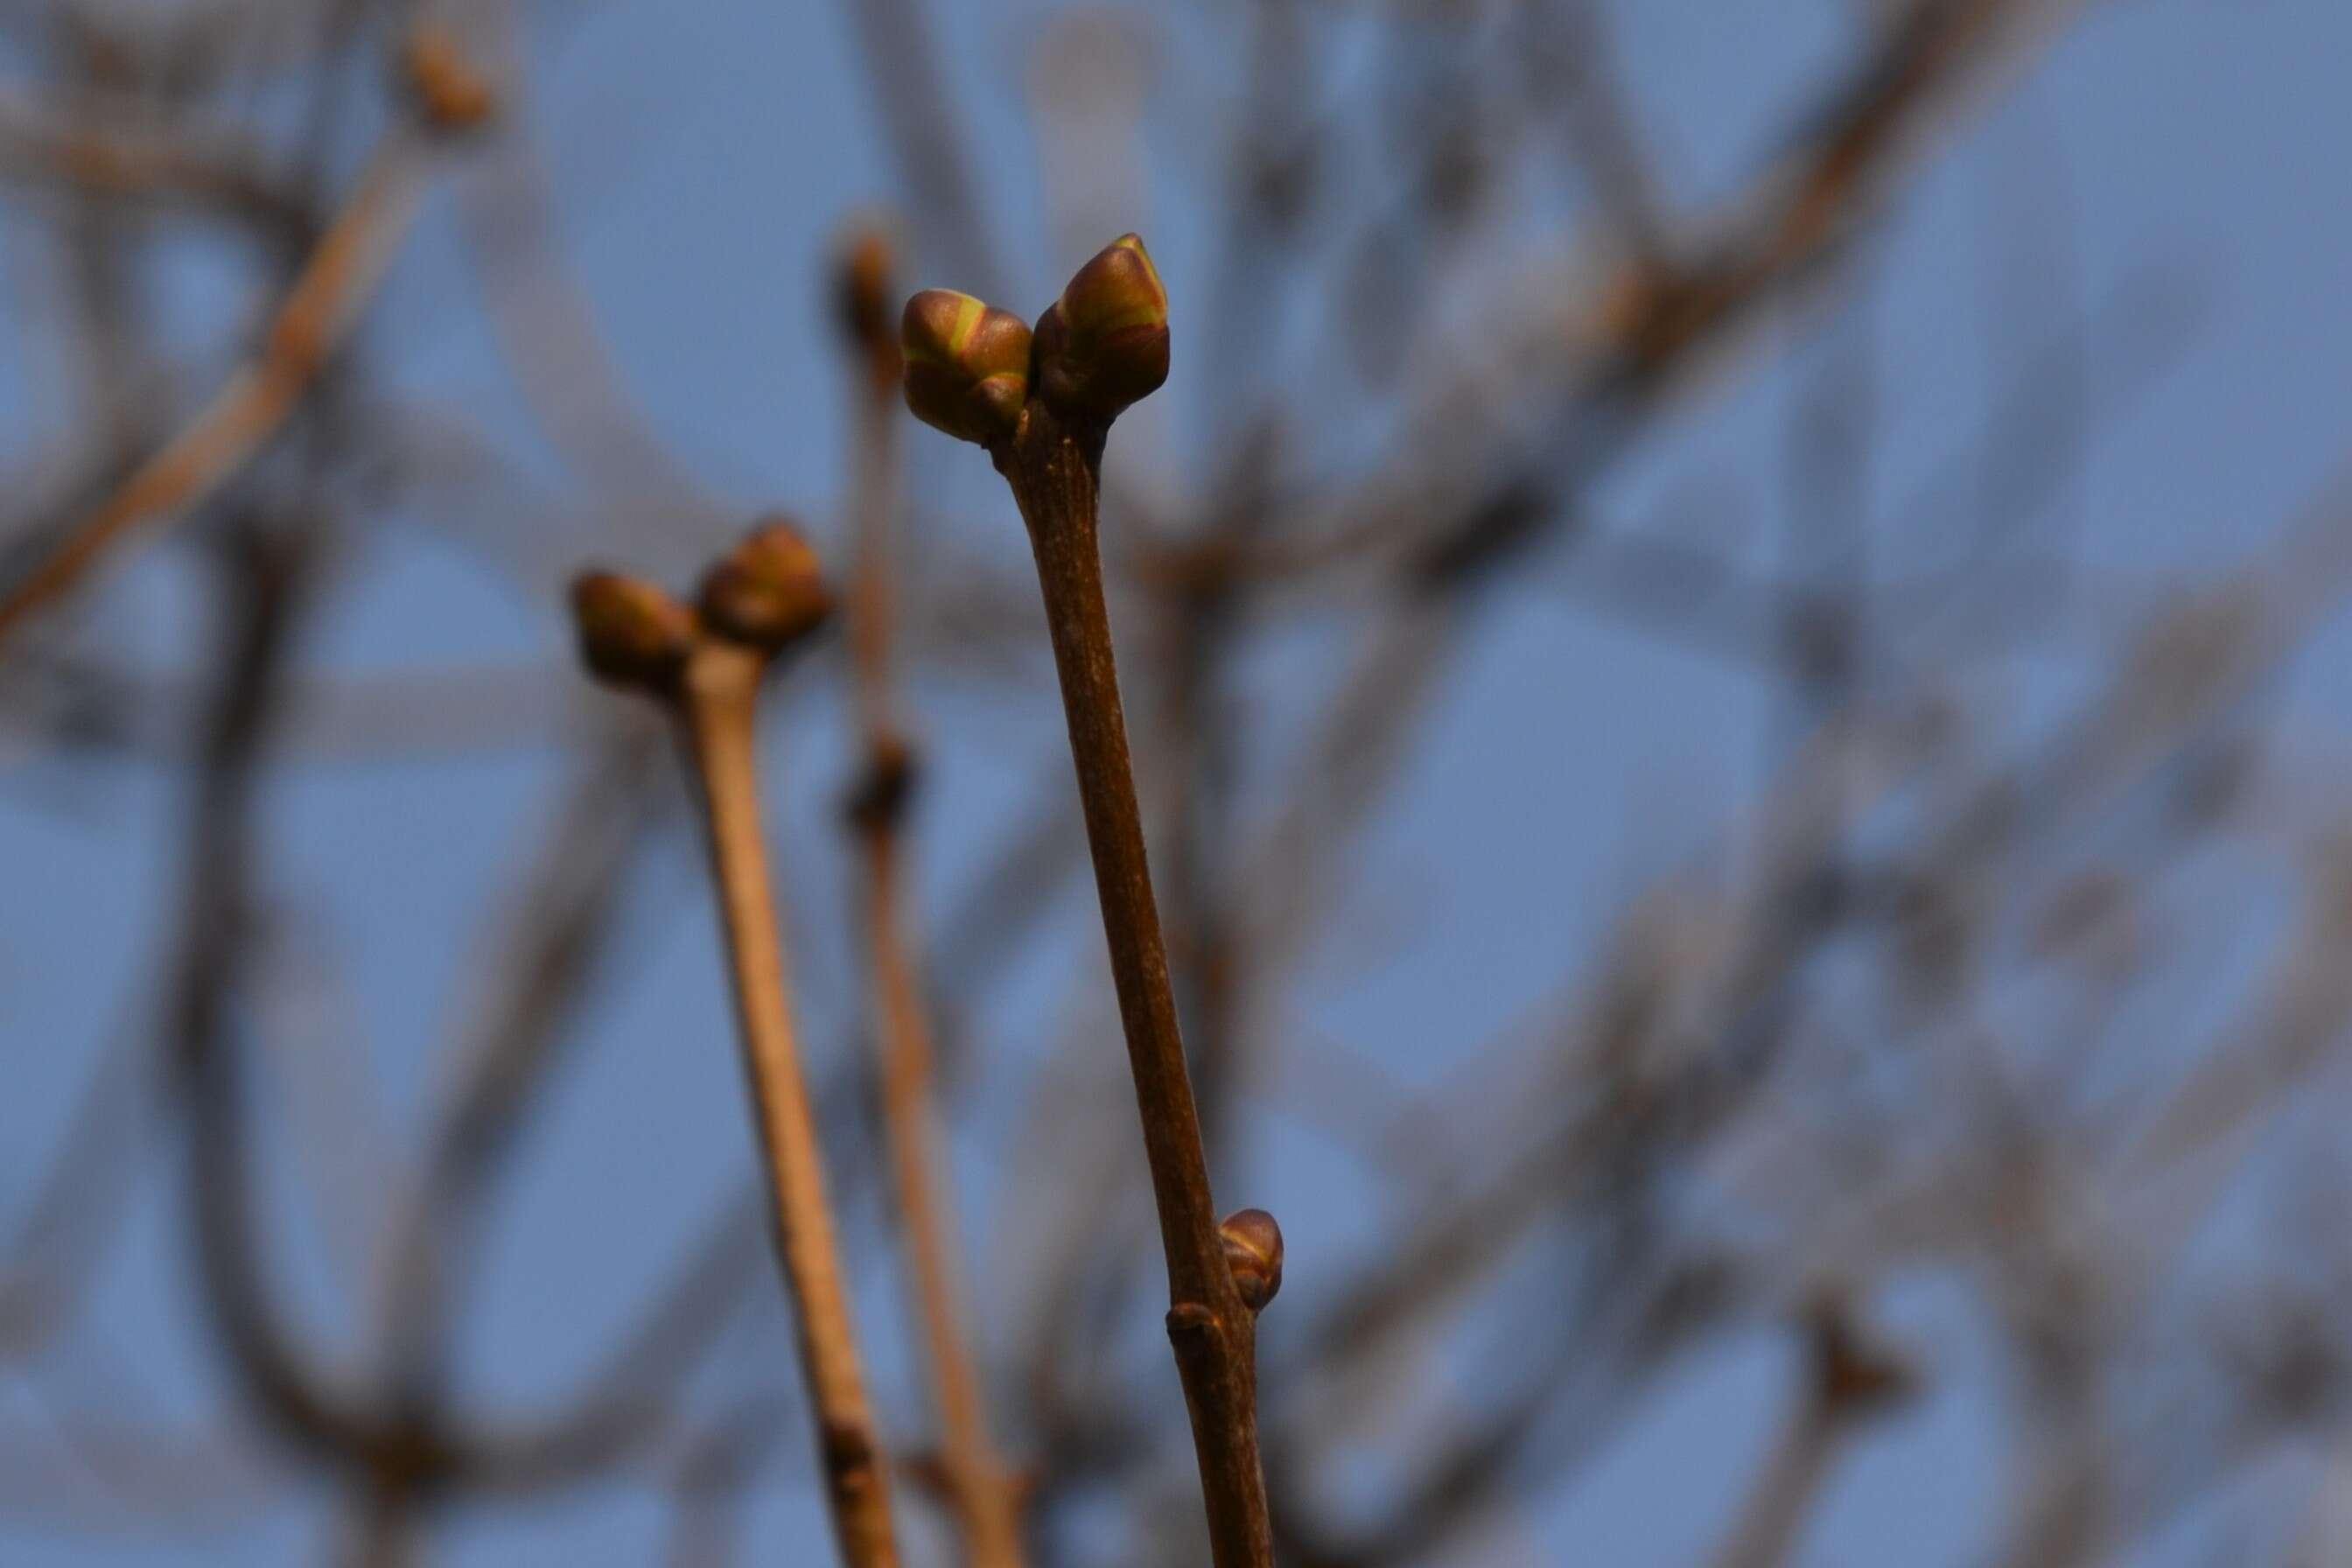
(721, 700)
(1054, 471)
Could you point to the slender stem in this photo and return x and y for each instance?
(1771, 1519)
(721, 701)
(1053, 470)
(873, 601)
(985, 1497)
(1850, 1381)
(236, 422)
(387, 1531)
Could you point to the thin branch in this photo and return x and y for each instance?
(1053, 470)
(984, 1492)
(720, 704)
(896, 39)
(231, 429)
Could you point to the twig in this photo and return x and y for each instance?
(110, 150)
(721, 691)
(1042, 407)
(707, 667)
(912, 95)
(231, 429)
(1054, 474)
(984, 1492)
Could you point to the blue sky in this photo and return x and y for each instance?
(2168, 172)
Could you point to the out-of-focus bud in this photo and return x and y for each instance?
(1852, 1376)
(630, 633)
(861, 288)
(768, 591)
(448, 87)
(967, 364)
(1253, 1252)
(1104, 343)
(879, 798)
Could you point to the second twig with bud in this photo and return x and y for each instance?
(707, 664)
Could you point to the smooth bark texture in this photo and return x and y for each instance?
(721, 699)
(1054, 468)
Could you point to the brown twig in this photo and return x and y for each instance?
(719, 702)
(915, 100)
(1041, 403)
(113, 151)
(984, 1493)
(1848, 1383)
(1054, 468)
(231, 428)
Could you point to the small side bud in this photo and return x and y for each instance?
(768, 591)
(1253, 1252)
(879, 798)
(861, 288)
(967, 364)
(451, 93)
(1851, 1375)
(630, 633)
(1103, 345)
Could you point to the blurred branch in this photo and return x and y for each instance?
(942, 197)
(233, 425)
(980, 1487)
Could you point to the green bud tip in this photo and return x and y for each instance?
(630, 633)
(768, 591)
(1103, 345)
(967, 364)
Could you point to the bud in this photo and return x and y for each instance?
(861, 283)
(881, 793)
(630, 633)
(1253, 1252)
(768, 591)
(967, 364)
(452, 93)
(1104, 343)
(1850, 1375)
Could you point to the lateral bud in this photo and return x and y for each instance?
(861, 288)
(1254, 1253)
(768, 591)
(967, 364)
(449, 89)
(1103, 345)
(879, 798)
(1851, 1375)
(632, 634)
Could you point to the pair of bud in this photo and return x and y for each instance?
(1103, 345)
(767, 592)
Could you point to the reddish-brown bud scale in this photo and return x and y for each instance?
(1103, 345)
(630, 633)
(768, 591)
(1254, 1253)
(967, 364)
